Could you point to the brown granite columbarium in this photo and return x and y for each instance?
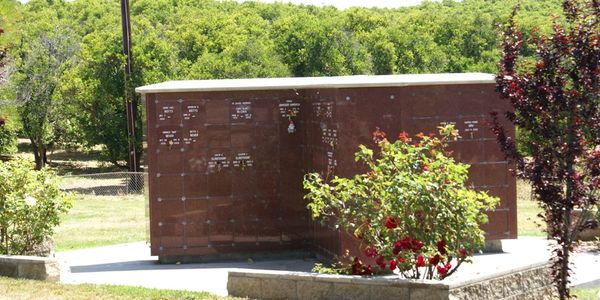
(226, 157)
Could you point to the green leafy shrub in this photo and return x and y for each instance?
(30, 207)
(8, 138)
(411, 210)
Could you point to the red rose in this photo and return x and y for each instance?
(441, 246)
(390, 223)
(434, 260)
(420, 261)
(417, 245)
(397, 247)
(406, 244)
(401, 260)
(442, 270)
(370, 251)
(380, 261)
(368, 270)
(462, 252)
(393, 265)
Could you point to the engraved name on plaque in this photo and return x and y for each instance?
(218, 161)
(169, 138)
(289, 108)
(241, 110)
(166, 113)
(191, 137)
(243, 160)
(190, 111)
(471, 127)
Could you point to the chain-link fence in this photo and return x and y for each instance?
(106, 184)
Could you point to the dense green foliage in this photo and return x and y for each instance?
(30, 206)
(411, 209)
(44, 55)
(8, 138)
(183, 39)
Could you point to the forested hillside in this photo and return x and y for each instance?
(205, 39)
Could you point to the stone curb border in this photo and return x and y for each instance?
(529, 282)
(30, 267)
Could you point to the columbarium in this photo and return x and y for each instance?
(226, 158)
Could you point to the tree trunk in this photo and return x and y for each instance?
(563, 289)
(39, 153)
(44, 155)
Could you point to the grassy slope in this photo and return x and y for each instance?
(102, 220)
(33, 289)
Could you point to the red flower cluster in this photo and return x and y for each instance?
(434, 260)
(390, 222)
(393, 264)
(443, 269)
(370, 251)
(406, 244)
(359, 269)
(420, 261)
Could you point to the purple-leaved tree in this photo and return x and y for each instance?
(556, 101)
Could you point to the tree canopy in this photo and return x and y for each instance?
(208, 39)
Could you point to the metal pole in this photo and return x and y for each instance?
(130, 101)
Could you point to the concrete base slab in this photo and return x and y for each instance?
(132, 264)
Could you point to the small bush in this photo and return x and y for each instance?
(30, 207)
(411, 210)
(8, 138)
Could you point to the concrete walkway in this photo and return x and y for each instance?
(131, 264)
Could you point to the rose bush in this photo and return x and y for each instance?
(30, 206)
(411, 209)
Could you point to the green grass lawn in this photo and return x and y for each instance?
(102, 220)
(527, 211)
(34, 289)
(587, 294)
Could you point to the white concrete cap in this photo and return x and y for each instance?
(355, 81)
